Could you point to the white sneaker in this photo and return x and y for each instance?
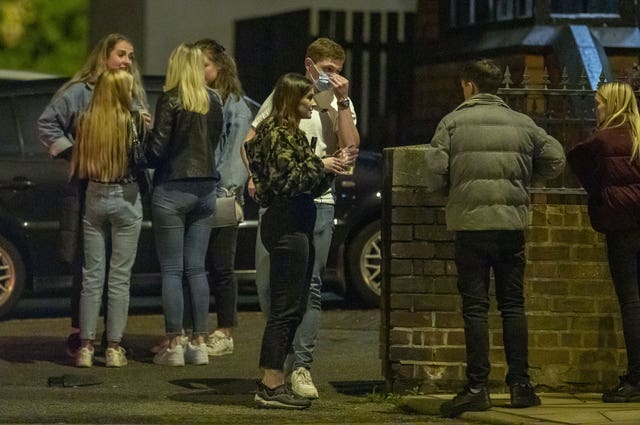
(218, 344)
(302, 384)
(115, 357)
(84, 357)
(170, 356)
(196, 354)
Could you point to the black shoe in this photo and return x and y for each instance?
(73, 344)
(523, 395)
(279, 398)
(466, 401)
(624, 392)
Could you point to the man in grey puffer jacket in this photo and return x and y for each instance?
(486, 155)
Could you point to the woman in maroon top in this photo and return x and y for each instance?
(608, 166)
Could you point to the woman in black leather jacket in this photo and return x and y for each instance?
(181, 149)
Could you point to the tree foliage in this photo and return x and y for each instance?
(44, 35)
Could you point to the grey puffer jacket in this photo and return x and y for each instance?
(488, 154)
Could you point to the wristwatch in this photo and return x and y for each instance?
(343, 103)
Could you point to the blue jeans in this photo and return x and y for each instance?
(112, 211)
(476, 253)
(307, 333)
(623, 251)
(182, 214)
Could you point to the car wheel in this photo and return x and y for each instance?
(12, 276)
(365, 262)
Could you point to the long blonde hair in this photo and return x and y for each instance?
(186, 71)
(96, 64)
(105, 130)
(621, 107)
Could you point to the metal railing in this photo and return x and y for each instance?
(565, 112)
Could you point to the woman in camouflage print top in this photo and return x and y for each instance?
(288, 176)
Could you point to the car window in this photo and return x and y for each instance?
(9, 140)
(29, 108)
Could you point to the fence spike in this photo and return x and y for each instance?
(545, 78)
(564, 79)
(507, 78)
(582, 82)
(602, 79)
(525, 79)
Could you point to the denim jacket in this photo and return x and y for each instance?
(236, 118)
(56, 126)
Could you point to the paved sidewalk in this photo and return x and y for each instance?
(556, 408)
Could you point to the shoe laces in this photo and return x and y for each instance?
(304, 376)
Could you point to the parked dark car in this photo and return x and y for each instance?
(31, 184)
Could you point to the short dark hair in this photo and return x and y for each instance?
(484, 73)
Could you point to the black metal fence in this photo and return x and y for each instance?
(565, 112)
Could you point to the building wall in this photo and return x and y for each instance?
(158, 26)
(575, 339)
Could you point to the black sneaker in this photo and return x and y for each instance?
(73, 345)
(624, 392)
(466, 401)
(279, 398)
(523, 395)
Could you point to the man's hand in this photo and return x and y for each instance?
(340, 86)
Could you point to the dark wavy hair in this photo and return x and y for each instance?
(288, 91)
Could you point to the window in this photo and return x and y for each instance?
(8, 134)
(573, 7)
(471, 12)
(29, 108)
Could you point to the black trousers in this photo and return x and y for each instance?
(287, 233)
(623, 251)
(477, 253)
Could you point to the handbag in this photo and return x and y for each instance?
(144, 175)
(137, 149)
(228, 209)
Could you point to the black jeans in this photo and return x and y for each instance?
(223, 282)
(287, 234)
(476, 254)
(623, 251)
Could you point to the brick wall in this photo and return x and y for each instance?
(575, 339)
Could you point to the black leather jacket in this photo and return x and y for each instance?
(182, 143)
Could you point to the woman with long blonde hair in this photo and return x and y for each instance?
(56, 130)
(221, 74)
(182, 148)
(608, 166)
(113, 210)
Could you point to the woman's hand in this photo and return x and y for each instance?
(251, 188)
(334, 164)
(146, 118)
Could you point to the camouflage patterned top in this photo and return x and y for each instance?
(283, 164)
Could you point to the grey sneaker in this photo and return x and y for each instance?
(218, 344)
(84, 357)
(196, 354)
(302, 384)
(170, 356)
(279, 398)
(115, 357)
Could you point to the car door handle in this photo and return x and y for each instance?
(17, 183)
